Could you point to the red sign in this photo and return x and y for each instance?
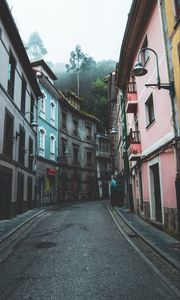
(51, 171)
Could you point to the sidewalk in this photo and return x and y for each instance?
(9, 226)
(164, 244)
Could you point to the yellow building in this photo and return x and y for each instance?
(171, 22)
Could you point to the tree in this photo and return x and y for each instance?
(35, 47)
(100, 103)
(76, 58)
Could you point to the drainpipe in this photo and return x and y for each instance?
(174, 111)
(128, 188)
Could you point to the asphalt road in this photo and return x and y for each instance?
(77, 253)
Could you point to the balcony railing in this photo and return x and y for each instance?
(131, 105)
(134, 145)
(131, 87)
(133, 138)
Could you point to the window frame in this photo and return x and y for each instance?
(52, 112)
(11, 74)
(7, 139)
(23, 95)
(144, 54)
(52, 148)
(42, 141)
(150, 114)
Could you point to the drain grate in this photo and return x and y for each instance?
(44, 245)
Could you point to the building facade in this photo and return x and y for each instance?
(47, 135)
(19, 92)
(150, 136)
(77, 151)
(103, 160)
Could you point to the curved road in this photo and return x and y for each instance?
(77, 253)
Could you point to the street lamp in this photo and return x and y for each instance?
(139, 70)
(33, 123)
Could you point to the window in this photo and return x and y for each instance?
(64, 120)
(89, 158)
(75, 154)
(11, 75)
(31, 156)
(144, 54)
(52, 112)
(42, 134)
(21, 145)
(23, 95)
(32, 109)
(75, 131)
(176, 9)
(64, 147)
(42, 105)
(88, 133)
(150, 110)
(8, 135)
(52, 147)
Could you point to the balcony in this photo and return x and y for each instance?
(103, 153)
(134, 145)
(131, 105)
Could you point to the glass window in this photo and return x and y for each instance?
(41, 142)
(52, 112)
(52, 147)
(21, 146)
(144, 54)
(31, 156)
(11, 75)
(150, 110)
(23, 95)
(8, 135)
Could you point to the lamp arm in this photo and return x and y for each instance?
(157, 64)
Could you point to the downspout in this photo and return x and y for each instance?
(173, 106)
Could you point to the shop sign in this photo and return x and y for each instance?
(52, 172)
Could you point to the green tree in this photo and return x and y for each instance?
(75, 60)
(35, 47)
(100, 103)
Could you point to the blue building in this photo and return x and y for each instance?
(47, 135)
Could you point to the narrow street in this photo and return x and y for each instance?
(78, 253)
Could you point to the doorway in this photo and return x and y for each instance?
(20, 192)
(29, 192)
(5, 192)
(156, 193)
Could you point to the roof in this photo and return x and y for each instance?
(15, 38)
(42, 63)
(138, 17)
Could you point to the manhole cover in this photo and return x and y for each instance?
(44, 245)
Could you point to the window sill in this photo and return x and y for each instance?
(150, 124)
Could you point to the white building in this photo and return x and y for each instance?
(18, 103)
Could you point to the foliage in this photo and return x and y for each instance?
(35, 47)
(76, 57)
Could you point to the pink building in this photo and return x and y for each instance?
(149, 117)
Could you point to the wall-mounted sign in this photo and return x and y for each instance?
(51, 171)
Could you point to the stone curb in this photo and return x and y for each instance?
(157, 249)
(6, 236)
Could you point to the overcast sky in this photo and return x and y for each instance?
(96, 25)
